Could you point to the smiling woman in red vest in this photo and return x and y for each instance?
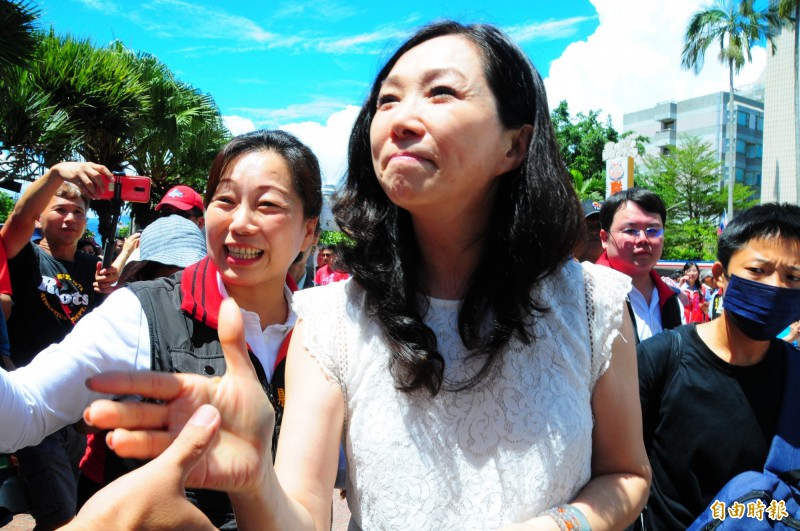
(262, 204)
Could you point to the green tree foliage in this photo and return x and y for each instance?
(17, 40)
(33, 129)
(581, 139)
(6, 206)
(687, 180)
(329, 237)
(735, 26)
(587, 188)
(102, 91)
(108, 105)
(178, 135)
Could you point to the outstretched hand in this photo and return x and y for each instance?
(153, 496)
(239, 457)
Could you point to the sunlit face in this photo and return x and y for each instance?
(634, 256)
(255, 225)
(63, 221)
(437, 141)
(773, 261)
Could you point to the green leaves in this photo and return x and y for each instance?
(687, 180)
(581, 140)
(17, 42)
(70, 98)
(735, 25)
(178, 135)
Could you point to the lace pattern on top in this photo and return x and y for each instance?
(501, 452)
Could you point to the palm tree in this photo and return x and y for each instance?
(17, 39)
(179, 135)
(736, 26)
(101, 91)
(34, 131)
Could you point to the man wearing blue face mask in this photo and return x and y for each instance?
(711, 392)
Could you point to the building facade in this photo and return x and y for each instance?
(781, 172)
(706, 117)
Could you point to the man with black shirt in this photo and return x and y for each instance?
(52, 288)
(711, 392)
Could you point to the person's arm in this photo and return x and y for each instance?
(104, 279)
(49, 392)
(17, 230)
(6, 305)
(620, 481)
(7, 364)
(239, 462)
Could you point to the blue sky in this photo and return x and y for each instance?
(279, 61)
(305, 66)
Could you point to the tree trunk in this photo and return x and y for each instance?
(731, 144)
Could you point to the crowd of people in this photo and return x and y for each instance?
(472, 350)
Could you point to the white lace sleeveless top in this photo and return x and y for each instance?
(502, 452)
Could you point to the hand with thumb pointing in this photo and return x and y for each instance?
(153, 497)
(239, 456)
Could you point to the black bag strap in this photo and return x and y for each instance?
(783, 459)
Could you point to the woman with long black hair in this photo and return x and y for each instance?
(477, 376)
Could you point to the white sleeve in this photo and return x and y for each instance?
(50, 393)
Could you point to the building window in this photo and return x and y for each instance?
(752, 178)
(741, 146)
(668, 125)
(742, 118)
(754, 151)
(759, 123)
(739, 175)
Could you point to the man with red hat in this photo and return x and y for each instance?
(185, 202)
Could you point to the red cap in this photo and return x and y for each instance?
(183, 198)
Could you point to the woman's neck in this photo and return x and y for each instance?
(267, 301)
(450, 256)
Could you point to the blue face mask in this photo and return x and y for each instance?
(760, 311)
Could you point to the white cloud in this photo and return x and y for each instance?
(633, 61)
(238, 125)
(180, 18)
(296, 112)
(545, 31)
(328, 141)
(107, 6)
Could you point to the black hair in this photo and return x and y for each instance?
(535, 222)
(770, 220)
(642, 197)
(83, 242)
(688, 265)
(302, 163)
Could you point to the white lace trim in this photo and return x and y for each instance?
(501, 452)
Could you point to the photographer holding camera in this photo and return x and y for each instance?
(52, 290)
